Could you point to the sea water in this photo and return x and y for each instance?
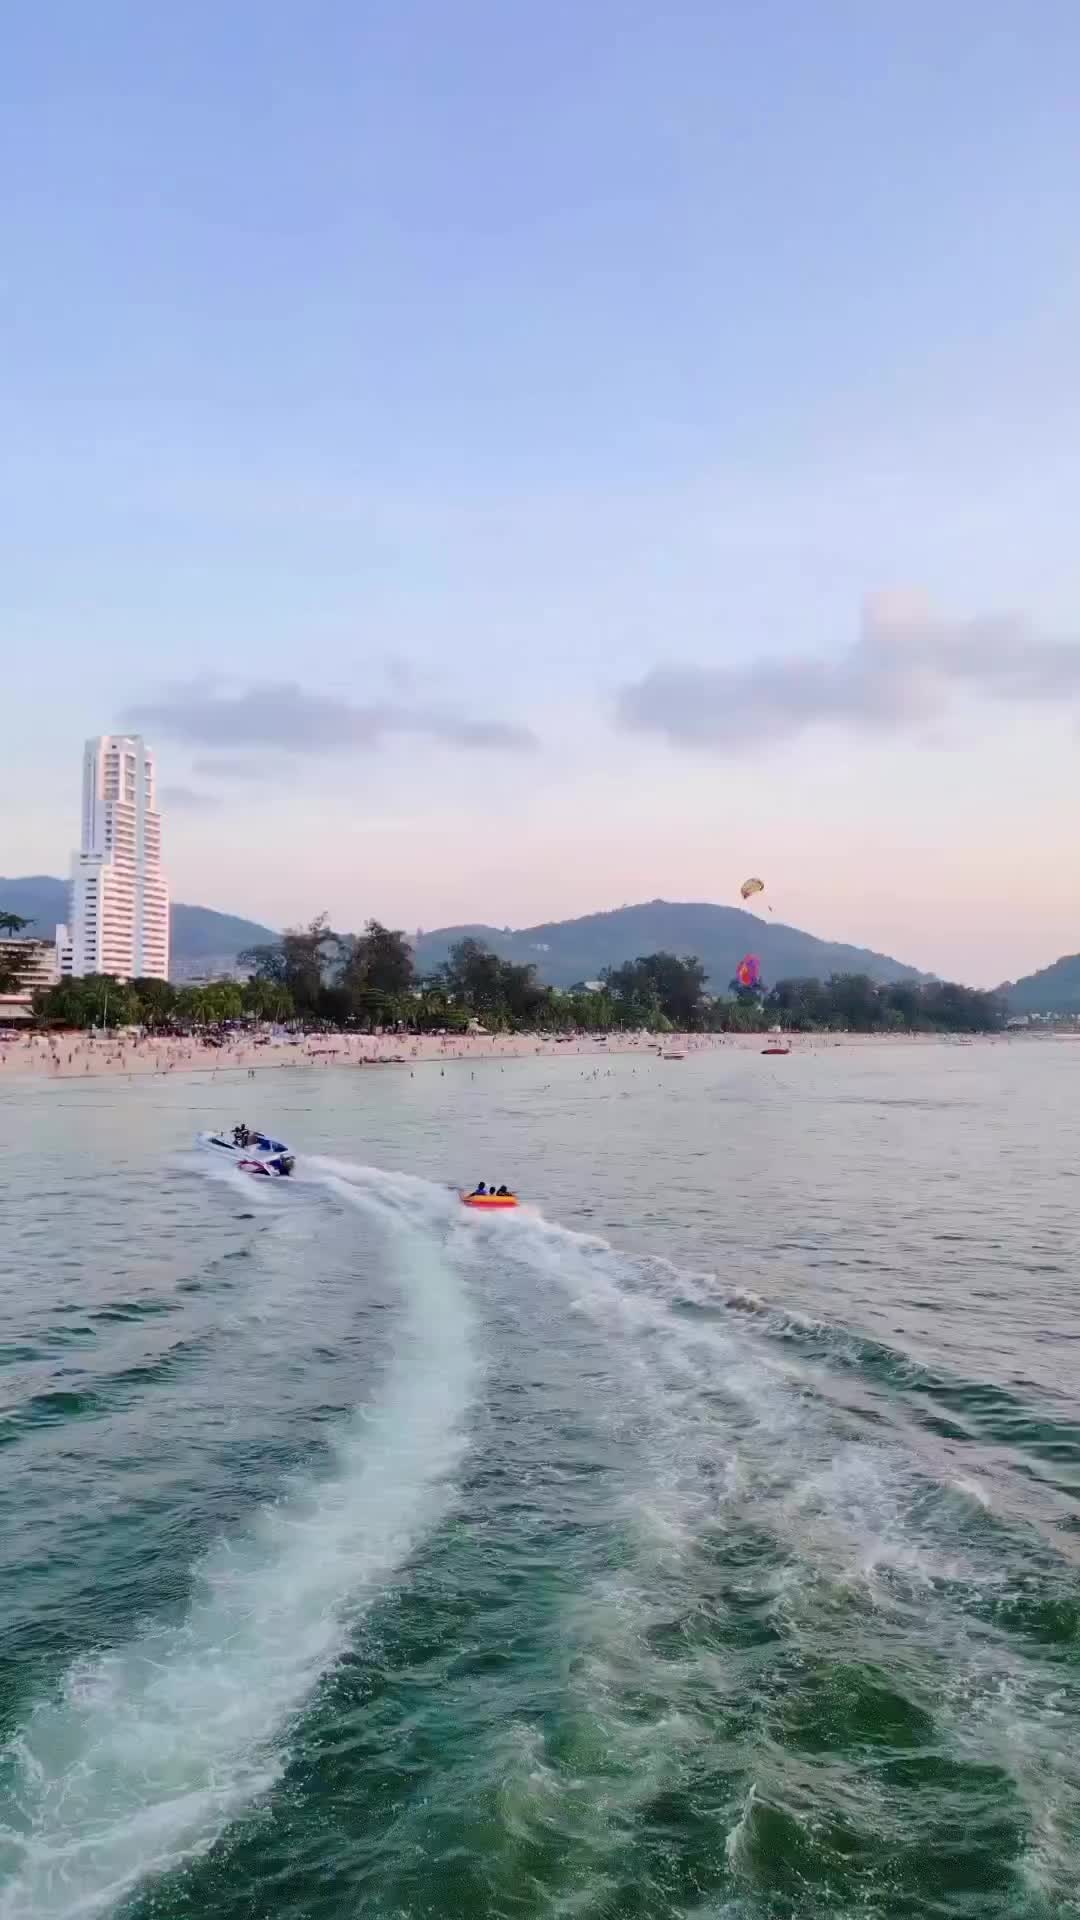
(705, 1542)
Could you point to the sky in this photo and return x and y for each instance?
(516, 459)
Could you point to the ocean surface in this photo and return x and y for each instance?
(704, 1544)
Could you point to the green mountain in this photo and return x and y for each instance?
(40, 899)
(562, 951)
(202, 941)
(565, 951)
(1053, 989)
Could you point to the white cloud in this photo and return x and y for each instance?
(285, 715)
(904, 671)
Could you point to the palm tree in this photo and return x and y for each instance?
(266, 1000)
(11, 968)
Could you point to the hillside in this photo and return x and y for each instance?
(1053, 989)
(565, 951)
(202, 941)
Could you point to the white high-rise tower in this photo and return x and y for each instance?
(119, 901)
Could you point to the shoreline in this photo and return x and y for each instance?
(77, 1056)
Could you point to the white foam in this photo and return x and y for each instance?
(684, 1355)
(149, 1751)
(735, 1840)
(974, 1491)
(255, 1191)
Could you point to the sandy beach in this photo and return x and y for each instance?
(76, 1055)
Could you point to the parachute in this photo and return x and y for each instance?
(752, 886)
(748, 971)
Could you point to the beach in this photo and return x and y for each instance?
(76, 1055)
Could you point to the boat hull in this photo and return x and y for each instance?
(261, 1157)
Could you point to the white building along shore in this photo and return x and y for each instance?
(34, 962)
(119, 912)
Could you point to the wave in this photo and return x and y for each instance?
(148, 1752)
(755, 1514)
(717, 1569)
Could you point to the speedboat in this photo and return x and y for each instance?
(259, 1155)
(490, 1202)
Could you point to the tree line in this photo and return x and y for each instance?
(100, 1000)
(317, 977)
(371, 980)
(853, 1003)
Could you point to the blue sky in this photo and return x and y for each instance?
(503, 452)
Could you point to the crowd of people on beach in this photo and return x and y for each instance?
(130, 1052)
(121, 1051)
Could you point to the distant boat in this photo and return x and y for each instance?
(773, 1048)
(673, 1056)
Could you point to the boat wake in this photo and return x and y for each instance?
(150, 1750)
(687, 1566)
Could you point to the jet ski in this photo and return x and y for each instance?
(259, 1155)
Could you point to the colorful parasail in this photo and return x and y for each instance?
(748, 971)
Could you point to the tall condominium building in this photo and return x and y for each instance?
(119, 915)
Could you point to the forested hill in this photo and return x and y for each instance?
(566, 951)
(1053, 989)
(562, 951)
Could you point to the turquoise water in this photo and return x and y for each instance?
(705, 1544)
